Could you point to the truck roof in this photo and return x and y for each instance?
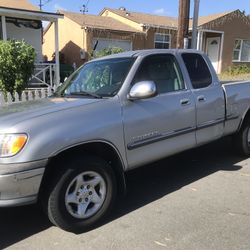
(137, 53)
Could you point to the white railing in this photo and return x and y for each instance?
(27, 95)
(44, 74)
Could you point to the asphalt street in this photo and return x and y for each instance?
(199, 199)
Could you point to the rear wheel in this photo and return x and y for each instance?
(81, 194)
(242, 139)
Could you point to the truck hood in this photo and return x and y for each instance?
(18, 112)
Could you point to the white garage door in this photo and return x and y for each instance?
(107, 43)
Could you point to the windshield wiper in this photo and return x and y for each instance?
(56, 94)
(85, 93)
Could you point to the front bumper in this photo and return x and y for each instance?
(20, 187)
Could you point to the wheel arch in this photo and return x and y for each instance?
(245, 117)
(102, 149)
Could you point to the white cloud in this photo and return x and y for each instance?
(160, 11)
(58, 7)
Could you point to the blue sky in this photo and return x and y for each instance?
(160, 7)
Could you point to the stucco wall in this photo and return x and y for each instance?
(31, 36)
(71, 41)
(139, 40)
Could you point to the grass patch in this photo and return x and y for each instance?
(236, 72)
(228, 77)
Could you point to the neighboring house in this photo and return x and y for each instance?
(161, 31)
(80, 33)
(224, 37)
(20, 20)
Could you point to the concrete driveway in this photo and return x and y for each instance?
(199, 199)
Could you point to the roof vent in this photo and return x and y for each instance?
(122, 8)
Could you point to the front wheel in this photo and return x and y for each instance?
(82, 194)
(242, 139)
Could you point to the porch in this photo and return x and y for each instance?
(211, 42)
(27, 25)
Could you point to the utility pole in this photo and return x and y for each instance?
(40, 5)
(183, 24)
(195, 23)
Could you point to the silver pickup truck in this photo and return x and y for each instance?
(70, 152)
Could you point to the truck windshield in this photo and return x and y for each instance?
(97, 79)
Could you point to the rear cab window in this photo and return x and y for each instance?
(198, 70)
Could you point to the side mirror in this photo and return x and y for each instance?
(142, 90)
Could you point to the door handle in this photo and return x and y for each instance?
(201, 98)
(185, 101)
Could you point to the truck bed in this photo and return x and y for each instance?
(237, 100)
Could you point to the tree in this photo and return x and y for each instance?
(108, 51)
(16, 65)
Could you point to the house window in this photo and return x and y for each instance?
(162, 41)
(241, 52)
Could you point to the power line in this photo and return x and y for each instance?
(87, 3)
(84, 8)
(42, 3)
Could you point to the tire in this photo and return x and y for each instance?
(241, 140)
(81, 194)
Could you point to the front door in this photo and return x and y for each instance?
(162, 125)
(213, 50)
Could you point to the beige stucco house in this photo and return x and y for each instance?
(79, 34)
(225, 37)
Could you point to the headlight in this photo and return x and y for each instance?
(11, 144)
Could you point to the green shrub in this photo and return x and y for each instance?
(16, 65)
(108, 51)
